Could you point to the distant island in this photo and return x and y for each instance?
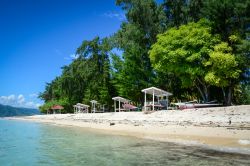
(7, 111)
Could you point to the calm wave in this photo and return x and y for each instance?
(26, 143)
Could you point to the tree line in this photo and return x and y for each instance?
(195, 49)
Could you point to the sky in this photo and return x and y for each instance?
(38, 37)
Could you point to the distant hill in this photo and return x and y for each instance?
(7, 111)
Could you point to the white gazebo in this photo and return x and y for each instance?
(93, 105)
(102, 108)
(119, 100)
(156, 92)
(81, 108)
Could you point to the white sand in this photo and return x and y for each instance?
(206, 126)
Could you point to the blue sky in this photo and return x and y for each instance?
(38, 37)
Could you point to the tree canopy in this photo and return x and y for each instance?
(197, 57)
(196, 49)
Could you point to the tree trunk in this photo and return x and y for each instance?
(227, 94)
(201, 93)
(224, 95)
(206, 92)
(203, 90)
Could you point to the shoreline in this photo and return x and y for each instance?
(206, 127)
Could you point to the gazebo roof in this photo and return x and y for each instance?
(93, 101)
(156, 91)
(81, 105)
(118, 98)
(57, 107)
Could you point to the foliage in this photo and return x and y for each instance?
(223, 66)
(202, 50)
(86, 78)
(183, 51)
(196, 56)
(47, 106)
(144, 21)
(242, 94)
(228, 16)
(176, 12)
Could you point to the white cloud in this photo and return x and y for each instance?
(18, 101)
(117, 15)
(7, 99)
(30, 104)
(34, 95)
(11, 97)
(72, 57)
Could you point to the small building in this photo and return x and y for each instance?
(81, 108)
(93, 105)
(120, 101)
(97, 107)
(123, 104)
(160, 103)
(55, 108)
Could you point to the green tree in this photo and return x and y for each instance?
(195, 10)
(199, 58)
(183, 51)
(145, 19)
(96, 52)
(232, 18)
(228, 16)
(85, 79)
(176, 12)
(223, 70)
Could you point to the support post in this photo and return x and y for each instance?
(153, 100)
(115, 105)
(145, 101)
(119, 105)
(167, 101)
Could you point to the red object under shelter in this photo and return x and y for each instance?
(57, 107)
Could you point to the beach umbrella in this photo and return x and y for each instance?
(57, 107)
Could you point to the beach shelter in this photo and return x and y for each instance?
(81, 108)
(93, 105)
(102, 108)
(156, 92)
(97, 107)
(120, 100)
(56, 107)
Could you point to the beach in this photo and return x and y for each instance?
(218, 127)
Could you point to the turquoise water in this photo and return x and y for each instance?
(26, 143)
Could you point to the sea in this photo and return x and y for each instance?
(30, 144)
